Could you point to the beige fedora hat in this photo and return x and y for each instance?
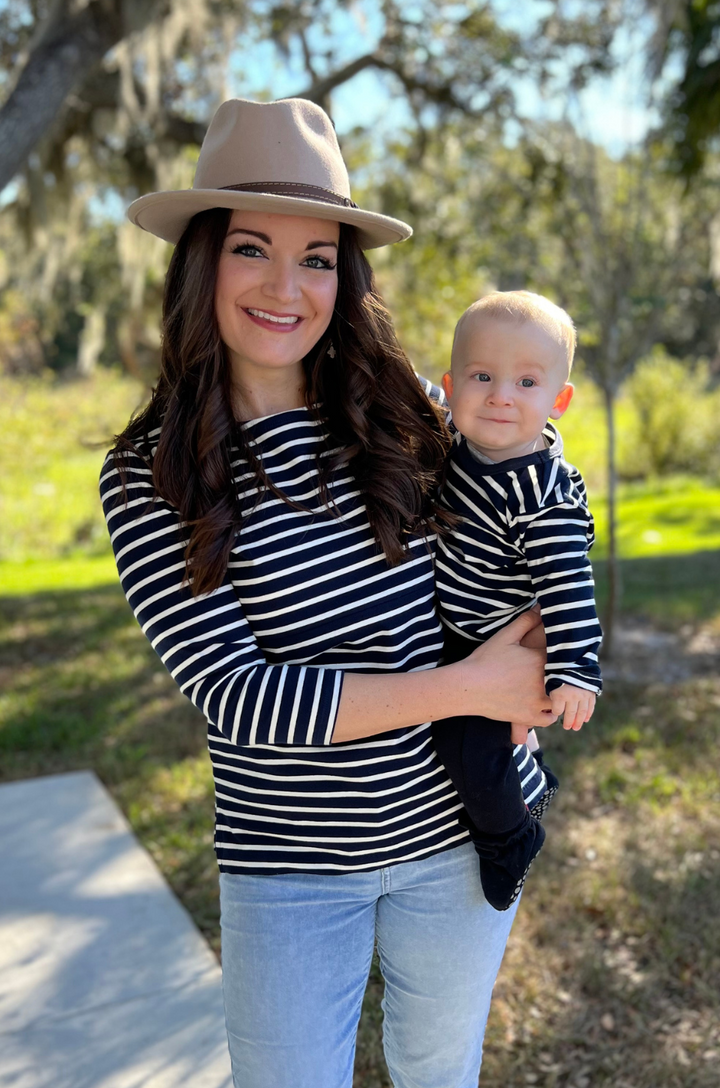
(270, 157)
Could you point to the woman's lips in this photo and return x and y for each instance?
(267, 319)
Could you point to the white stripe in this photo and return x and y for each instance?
(296, 705)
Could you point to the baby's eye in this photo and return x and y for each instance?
(247, 249)
(482, 377)
(527, 383)
(316, 261)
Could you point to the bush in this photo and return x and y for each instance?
(673, 426)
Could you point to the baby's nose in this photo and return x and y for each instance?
(501, 393)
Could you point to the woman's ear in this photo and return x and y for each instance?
(447, 384)
(562, 400)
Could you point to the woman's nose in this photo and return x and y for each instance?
(282, 282)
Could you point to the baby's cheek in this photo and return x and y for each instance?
(462, 413)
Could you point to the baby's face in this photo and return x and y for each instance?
(504, 383)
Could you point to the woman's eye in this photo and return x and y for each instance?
(316, 261)
(247, 249)
(527, 383)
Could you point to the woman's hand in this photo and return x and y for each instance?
(501, 679)
(534, 639)
(504, 678)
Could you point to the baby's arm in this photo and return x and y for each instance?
(556, 547)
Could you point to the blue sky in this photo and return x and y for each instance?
(612, 111)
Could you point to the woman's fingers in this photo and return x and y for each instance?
(518, 733)
(509, 678)
(520, 627)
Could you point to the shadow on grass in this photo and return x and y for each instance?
(667, 590)
(83, 687)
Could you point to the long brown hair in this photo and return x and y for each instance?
(375, 411)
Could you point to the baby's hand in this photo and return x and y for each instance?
(575, 704)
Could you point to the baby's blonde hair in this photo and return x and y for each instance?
(521, 306)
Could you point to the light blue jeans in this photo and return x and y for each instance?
(296, 951)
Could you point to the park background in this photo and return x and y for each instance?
(570, 148)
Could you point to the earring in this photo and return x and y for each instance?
(331, 350)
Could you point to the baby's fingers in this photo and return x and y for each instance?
(583, 712)
(590, 708)
(574, 716)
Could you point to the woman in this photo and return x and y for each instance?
(272, 516)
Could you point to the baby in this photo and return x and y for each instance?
(522, 537)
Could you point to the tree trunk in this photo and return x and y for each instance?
(613, 563)
(92, 341)
(70, 44)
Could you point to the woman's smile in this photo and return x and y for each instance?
(275, 322)
(285, 321)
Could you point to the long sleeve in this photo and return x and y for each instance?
(555, 542)
(206, 642)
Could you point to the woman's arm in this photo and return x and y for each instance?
(210, 650)
(500, 679)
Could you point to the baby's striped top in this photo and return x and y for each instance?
(524, 536)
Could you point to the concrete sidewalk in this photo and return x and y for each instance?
(104, 980)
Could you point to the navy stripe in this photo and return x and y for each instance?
(524, 536)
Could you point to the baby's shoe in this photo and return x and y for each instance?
(503, 875)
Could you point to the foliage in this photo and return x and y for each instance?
(687, 35)
(676, 407)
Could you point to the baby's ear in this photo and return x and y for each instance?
(447, 384)
(562, 401)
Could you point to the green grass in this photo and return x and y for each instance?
(668, 591)
(74, 572)
(54, 439)
(677, 516)
(611, 977)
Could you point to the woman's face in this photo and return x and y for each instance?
(275, 292)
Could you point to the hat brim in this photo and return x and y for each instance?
(168, 214)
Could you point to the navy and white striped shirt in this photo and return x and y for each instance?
(524, 536)
(307, 596)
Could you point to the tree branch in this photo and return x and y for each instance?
(321, 88)
(70, 44)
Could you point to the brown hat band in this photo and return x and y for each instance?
(297, 189)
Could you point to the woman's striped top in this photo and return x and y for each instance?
(524, 536)
(308, 595)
